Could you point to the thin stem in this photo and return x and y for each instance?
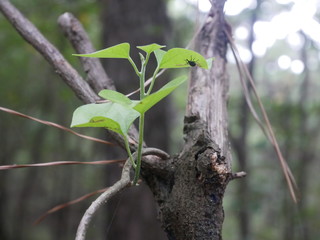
(153, 80)
(126, 144)
(134, 66)
(141, 120)
(138, 161)
(142, 76)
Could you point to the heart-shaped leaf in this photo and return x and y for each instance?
(113, 116)
(118, 51)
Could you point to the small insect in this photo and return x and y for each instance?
(192, 61)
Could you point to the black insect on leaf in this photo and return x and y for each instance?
(192, 61)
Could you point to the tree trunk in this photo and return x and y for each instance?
(190, 188)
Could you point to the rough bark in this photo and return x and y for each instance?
(190, 188)
(208, 89)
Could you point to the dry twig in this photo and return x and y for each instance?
(268, 131)
(52, 124)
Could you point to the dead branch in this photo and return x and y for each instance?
(32, 35)
(52, 124)
(58, 163)
(74, 31)
(64, 205)
(238, 175)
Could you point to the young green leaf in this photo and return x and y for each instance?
(118, 51)
(151, 47)
(113, 116)
(159, 53)
(181, 58)
(115, 96)
(149, 101)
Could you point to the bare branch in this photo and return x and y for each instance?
(102, 199)
(64, 205)
(31, 34)
(58, 163)
(238, 175)
(96, 76)
(52, 124)
(111, 191)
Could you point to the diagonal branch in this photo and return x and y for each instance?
(268, 131)
(64, 205)
(52, 124)
(32, 35)
(74, 31)
(68, 74)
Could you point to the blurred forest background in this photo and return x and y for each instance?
(280, 42)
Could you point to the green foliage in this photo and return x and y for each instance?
(115, 96)
(112, 115)
(118, 51)
(149, 101)
(120, 112)
(151, 47)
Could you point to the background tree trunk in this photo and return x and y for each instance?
(240, 142)
(138, 23)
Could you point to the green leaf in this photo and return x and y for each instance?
(113, 116)
(149, 101)
(115, 96)
(209, 62)
(159, 53)
(151, 47)
(180, 58)
(118, 51)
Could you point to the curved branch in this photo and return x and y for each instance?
(113, 190)
(103, 198)
(32, 35)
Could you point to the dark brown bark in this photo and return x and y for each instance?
(190, 193)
